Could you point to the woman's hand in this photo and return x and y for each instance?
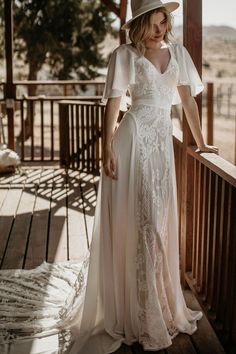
(109, 162)
(208, 148)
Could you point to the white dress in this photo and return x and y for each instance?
(133, 290)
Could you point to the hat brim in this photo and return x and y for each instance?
(170, 6)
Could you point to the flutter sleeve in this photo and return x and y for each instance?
(120, 75)
(188, 74)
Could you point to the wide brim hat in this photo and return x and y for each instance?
(141, 7)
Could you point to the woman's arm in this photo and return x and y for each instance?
(110, 118)
(192, 114)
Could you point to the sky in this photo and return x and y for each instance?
(215, 12)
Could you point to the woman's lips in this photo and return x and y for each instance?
(157, 37)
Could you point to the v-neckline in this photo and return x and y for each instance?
(151, 63)
(154, 66)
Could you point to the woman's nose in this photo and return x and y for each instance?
(157, 30)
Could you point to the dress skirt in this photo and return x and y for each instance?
(133, 291)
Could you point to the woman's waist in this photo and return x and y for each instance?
(162, 104)
(151, 104)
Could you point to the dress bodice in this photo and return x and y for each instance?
(127, 70)
(151, 86)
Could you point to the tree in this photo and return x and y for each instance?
(65, 34)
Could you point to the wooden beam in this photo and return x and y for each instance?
(192, 35)
(9, 87)
(210, 112)
(119, 12)
(123, 11)
(112, 7)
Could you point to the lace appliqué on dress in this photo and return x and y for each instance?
(40, 302)
(154, 131)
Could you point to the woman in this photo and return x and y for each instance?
(136, 270)
(133, 291)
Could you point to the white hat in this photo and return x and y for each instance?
(140, 7)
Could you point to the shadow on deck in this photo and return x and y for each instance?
(47, 214)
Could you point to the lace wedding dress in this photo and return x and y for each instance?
(128, 288)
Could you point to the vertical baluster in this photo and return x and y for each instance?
(83, 113)
(220, 243)
(77, 135)
(218, 248)
(87, 138)
(225, 252)
(189, 214)
(203, 229)
(207, 232)
(214, 246)
(210, 271)
(64, 135)
(52, 128)
(72, 137)
(180, 187)
(100, 129)
(22, 130)
(42, 128)
(199, 217)
(31, 112)
(98, 113)
(195, 200)
(94, 111)
(230, 310)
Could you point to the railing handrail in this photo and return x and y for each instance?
(56, 82)
(214, 162)
(77, 102)
(56, 98)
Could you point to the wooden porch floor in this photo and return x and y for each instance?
(47, 214)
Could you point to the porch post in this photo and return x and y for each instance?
(192, 35)
(9, 94)
(123, 11)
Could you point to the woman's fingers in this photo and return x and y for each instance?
(209, 148)
(110, 168)
(113, 169)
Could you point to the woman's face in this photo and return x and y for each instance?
(159, 26)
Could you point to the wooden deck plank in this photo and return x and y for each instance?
(138, 349)
(124, 349)
(9, 208)
(37, 246)
(57, 242)
(15, 253)
(78, 243)
(181, 344)
(204, 339)
(4, 189)
(88, 188)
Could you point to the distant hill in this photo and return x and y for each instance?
(212, 32)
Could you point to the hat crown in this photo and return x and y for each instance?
(140, 5)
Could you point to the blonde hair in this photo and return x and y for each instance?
(140, 28)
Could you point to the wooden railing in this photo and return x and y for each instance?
(81, 124)
(207, 224)
(80, 134)
(32, 127)
(43, 114)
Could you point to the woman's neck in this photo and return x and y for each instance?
(153, 45)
